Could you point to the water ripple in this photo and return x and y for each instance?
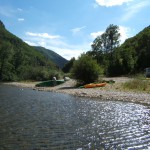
(42, 120)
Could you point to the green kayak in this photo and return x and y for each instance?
(50, 83)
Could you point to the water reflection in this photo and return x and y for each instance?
(43, 120)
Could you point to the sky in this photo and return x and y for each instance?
(68, 27)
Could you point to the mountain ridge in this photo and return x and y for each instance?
(53, 56)
(20, 61)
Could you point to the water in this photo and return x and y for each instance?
(34, 120)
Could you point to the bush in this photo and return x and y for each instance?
(39, 73)
(138, 85)
(68, 66)
(85, 69)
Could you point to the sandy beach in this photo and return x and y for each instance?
(109, 92)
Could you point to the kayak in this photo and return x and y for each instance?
(49, 83)
(100, 84)
(93, 85)
(90, 85)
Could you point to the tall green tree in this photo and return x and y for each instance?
(104, 45)
(112, 37)
(108, 41)
(5, 61)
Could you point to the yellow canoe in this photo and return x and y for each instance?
(93, 85)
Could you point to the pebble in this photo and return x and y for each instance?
(108, 94)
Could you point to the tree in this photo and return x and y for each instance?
(115, 68)
(19, 61)
(85, 69)
(108, 41)
(97, 51)
(104, 45)
(68, 66)
(5, 61)
(112, 37)
(18, 58)
(2, 25)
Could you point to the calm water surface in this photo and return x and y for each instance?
(34, 120)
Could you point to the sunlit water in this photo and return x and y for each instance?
(34, 120)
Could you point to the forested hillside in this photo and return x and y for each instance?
(19, 61)
(135, 52)
(132, 57)
(51, 55)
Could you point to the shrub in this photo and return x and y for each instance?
(137, 84)
(85, 69)
(39, 73)
(68, 66)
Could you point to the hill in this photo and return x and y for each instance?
(133, 56)
(51, 55)
(19, 61)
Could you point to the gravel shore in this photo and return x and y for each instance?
(109, 92)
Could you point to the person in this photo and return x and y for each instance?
(54, 81)
(54, 78)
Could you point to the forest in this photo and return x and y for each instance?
(19, 61)
(131, 57)
(115, 59)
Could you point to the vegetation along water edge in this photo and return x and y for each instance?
(115, 91)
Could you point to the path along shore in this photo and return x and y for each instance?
(109, 92)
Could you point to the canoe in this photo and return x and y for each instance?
(49, 83)
(92, 85)
(100, 84)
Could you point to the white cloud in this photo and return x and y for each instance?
(19, 9)
(95, 34)
(134, 9)
(59, 45)
(43, 35)
(125, 33)
(20, 19)
(67, 53)
(109, 3)
(76, 30)
(30, 43)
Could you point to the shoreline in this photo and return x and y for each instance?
(109, 92)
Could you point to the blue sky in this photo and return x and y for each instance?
(68, 27)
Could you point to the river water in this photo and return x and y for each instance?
(35, 120)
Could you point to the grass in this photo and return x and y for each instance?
(137, 84)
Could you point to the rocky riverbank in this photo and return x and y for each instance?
(110, 91)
